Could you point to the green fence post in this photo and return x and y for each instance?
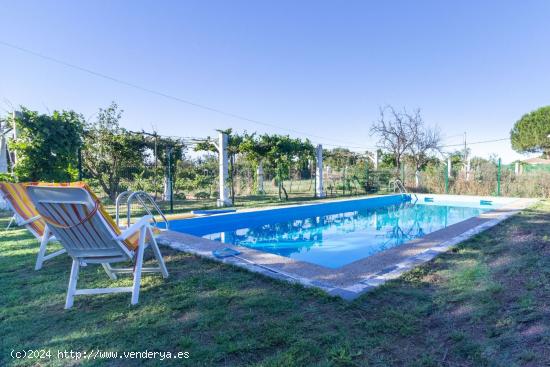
(367, 178)
(447, 178)
(498, 178)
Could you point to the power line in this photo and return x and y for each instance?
(476, 142)
(205, 107)
(162, 94)
(194, 140)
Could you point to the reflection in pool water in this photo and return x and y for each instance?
(335, 240)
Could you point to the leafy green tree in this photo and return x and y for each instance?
(47, 145)
(111, 152)
(283, 152)
(194, 175)
(6, 177)
(387, 161)
(530, 133)
(164, 154)
(339, 158)
(255, 151)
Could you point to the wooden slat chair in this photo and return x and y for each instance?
(90, 236)
(25, 214)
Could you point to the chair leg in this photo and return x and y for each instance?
(109, 271)
(12, 220)
(42, 251)
(138, 266)
(158, 255)
(72, 284)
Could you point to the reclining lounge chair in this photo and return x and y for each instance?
(90, 236)
(25, 214)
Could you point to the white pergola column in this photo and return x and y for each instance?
(517, 171)
(16, 115)
(449, 170)
(223, 199)
(3, 150)
(167, 183)
(167, 189)
(319, 187)
(374, 157)
(260, 176)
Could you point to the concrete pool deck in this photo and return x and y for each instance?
(358, 277)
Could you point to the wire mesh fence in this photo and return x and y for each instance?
(194, 183)
(485, 177)
(189, 183)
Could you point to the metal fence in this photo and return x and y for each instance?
(194, 185)
(190, 184)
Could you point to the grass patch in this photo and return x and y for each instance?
(484, 304)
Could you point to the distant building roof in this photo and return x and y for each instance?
(536, 161)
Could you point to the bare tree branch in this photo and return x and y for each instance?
(404, 134)
(396, 131)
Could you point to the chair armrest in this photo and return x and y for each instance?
(30, 220)
(144, 221)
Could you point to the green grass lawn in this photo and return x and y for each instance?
(487, 303)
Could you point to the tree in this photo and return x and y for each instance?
(282, 153)
(196, 175)
(395, 131)
(168, 152)
(339, 158)
(530, 133)
(47, 145)
(110, 151)
(426, 142)
(256, 151)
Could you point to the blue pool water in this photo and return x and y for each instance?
(333, 234)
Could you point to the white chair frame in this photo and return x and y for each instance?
(44, 239)
(144, 228)
(96, 241)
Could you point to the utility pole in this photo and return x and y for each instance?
(498, 177)
(465, 149)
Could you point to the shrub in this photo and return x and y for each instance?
(202, 195)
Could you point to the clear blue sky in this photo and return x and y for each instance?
(315, 66)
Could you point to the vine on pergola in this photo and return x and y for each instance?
(279, 152)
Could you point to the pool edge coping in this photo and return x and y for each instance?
(177, 241)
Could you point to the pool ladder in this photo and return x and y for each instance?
(145, 200)
(397, 184)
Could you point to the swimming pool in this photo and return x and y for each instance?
(335, 234)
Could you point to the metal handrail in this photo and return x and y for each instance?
(140, 196)
(143, 198)
(398, 185)
(123, 195)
